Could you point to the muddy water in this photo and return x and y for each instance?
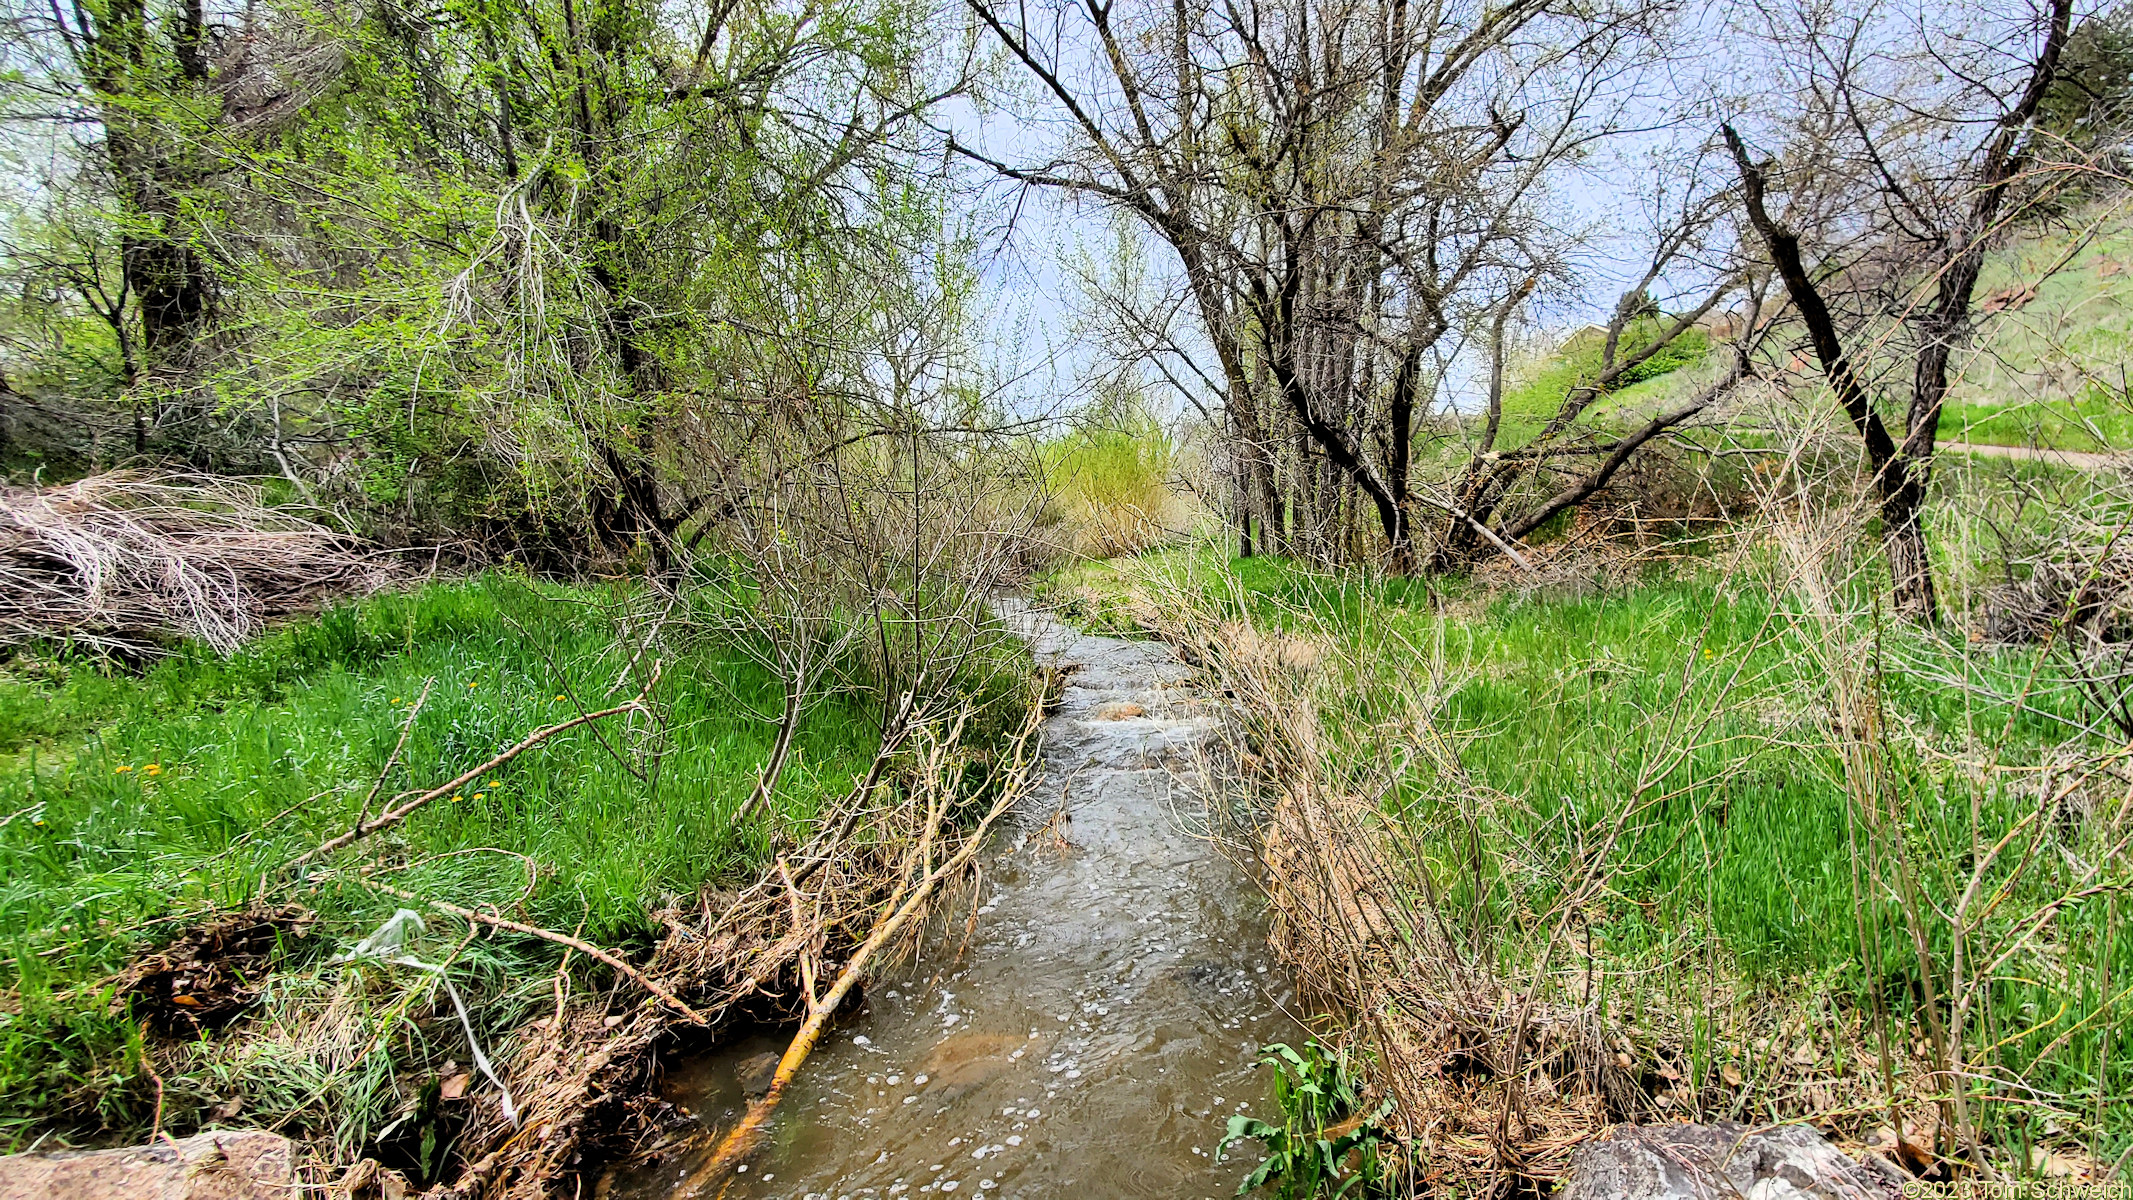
(1092, 1036)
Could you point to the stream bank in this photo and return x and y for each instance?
(1096, 1026)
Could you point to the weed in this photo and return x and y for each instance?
(1326, 1145)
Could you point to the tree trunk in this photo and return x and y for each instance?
(1901, 472)
(1903, 539)
(172, 281)
(167, 274)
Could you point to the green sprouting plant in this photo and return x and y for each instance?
(1325, 1145)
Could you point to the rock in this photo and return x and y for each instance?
(1119, 710)
(756, 1072)
(240, 1165)
(1693, 1162)
(969, 1058)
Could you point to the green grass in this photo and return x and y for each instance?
(2013, 388)
(2016, 389)
(269, 753)
(2095, 420)
(1533, 400)
(1557, 704)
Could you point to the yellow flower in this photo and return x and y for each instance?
(455, 799)
(471, 684)
(120, 770)
(479, 795)
(561, 696)
(493, 783)
(153, 769)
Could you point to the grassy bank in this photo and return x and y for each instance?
(1776, 898)
(136, 802)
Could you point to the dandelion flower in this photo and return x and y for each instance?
(493, 783)
(396, 699)
(121, 769)
(479, 795)
(455, 799)
(561, 696)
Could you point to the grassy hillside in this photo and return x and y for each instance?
(1537, 391)
(2050, 367)
(2052, 370)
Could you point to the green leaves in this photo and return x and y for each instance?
(1325, 1146)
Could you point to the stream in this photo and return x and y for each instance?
(1094, 1033)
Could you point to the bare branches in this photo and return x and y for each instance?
(1944, 195)
(393, 816)
(916, 880)
(471, 916)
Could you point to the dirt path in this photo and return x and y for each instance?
(1104, 1017)
(2082, 459)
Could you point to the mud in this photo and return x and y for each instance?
(210, 975)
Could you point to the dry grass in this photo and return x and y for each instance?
(130, 561)
(1490, 1077)
(1473, 954)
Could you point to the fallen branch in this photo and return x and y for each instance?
(392, 817)
(560, 939)
(407, 727)
(904, 903)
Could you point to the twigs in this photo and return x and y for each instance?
(407, 727)
(127, 560)
(560, 939)
(915, 884)
(392, 817)
(155, 1124)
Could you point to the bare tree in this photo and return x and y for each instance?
(1895, 203)
(1505, 494)
(1345, 184)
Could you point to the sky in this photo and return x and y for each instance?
(1713, 72)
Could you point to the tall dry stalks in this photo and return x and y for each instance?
(1455, 951)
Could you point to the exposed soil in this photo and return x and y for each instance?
(210, 975)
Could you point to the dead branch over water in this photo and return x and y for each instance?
(837, 907)
(919, 877)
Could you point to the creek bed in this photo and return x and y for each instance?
(1095, 1030)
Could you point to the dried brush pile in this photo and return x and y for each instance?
(130, 561)
(2079, 588)
(795, 945)
(1491, 1077)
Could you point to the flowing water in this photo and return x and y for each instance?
(1096, 1030)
